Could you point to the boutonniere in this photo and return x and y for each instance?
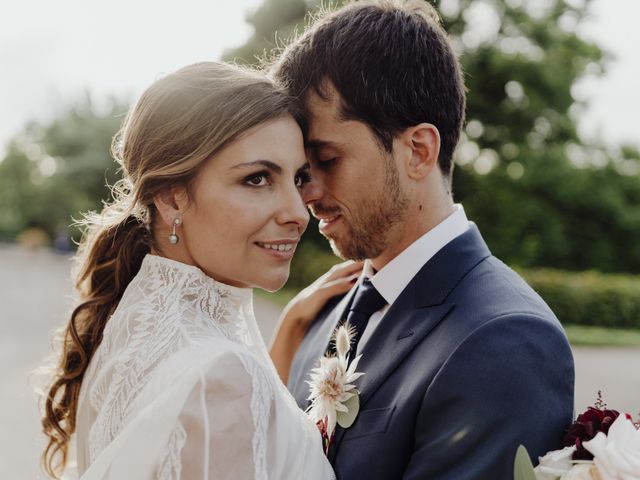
(334, 397)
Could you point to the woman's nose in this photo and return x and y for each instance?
(293, 210)
(311, 192)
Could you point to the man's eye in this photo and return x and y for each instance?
(326, 163)
(257, 180)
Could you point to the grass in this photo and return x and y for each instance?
(579, 335)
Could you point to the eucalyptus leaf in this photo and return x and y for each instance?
(523, 468)
(346, 419)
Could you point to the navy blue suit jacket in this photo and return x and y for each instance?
(468, 363)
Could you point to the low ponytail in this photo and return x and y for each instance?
(108, 259)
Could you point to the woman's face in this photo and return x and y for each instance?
(245, 214)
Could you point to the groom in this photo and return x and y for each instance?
(463, 361)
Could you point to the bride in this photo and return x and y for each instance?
(163, 373)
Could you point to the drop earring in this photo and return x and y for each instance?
(173, 238)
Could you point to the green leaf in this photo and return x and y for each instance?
(523, 468)
(346, 419)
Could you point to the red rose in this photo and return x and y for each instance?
(586, 426)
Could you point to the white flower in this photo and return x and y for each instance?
(617, 454)
(332, 385)
(343, 340)
(554, 464)
(582, 471)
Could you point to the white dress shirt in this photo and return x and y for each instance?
(392, 279)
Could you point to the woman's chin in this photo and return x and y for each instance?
(273, 283)
(272, 288)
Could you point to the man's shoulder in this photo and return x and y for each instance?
(490, 302)
(492, 289)
(496, 315)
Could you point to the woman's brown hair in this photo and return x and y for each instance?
(179, 122)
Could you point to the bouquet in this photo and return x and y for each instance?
(601, 444)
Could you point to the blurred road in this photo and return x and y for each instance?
(35, 291)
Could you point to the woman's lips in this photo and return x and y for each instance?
(282, 250)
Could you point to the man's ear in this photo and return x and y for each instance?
(171, 203)
(424, 142)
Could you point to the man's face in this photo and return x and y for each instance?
(355, 190)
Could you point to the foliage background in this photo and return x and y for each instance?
(541, 195)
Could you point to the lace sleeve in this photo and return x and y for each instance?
(222, 428)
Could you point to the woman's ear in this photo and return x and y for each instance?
(171, 203)
(424, 141)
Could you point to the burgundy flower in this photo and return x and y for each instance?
(326, 441)
(586, 426)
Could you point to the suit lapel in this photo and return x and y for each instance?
(418, 309)
(396, 339)
(402, 328)
(416, 312)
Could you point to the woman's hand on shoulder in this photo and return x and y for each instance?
(308, 303)
(304, 307)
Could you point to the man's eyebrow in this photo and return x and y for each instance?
(263, 163)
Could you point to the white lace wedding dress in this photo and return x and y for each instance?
(182, 386)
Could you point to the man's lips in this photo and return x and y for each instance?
(328, 222)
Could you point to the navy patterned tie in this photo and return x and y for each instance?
(366, 301)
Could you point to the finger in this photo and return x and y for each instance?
(308, 303)
(339, 286)
(344, 269)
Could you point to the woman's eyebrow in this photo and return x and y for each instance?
(263, 163)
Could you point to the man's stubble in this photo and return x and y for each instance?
(373, 218)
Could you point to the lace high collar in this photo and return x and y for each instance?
(172, 269)
(183, 293)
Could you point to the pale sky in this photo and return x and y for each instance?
(51, 51)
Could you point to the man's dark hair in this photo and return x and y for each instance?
(392, 64)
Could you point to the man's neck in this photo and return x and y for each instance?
(419, 220)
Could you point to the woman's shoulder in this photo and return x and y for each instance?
(218, 365)
(237, 364)
(218, 359)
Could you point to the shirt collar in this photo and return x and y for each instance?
(391, 280)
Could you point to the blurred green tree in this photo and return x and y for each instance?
(55, 171)
(540, 194)
(281, 16)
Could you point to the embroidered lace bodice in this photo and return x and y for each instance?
(182, 386)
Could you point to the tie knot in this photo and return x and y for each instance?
(367, 299)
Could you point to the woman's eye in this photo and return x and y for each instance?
(302, 179)
(257, 180)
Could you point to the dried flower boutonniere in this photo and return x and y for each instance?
(334, 397)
